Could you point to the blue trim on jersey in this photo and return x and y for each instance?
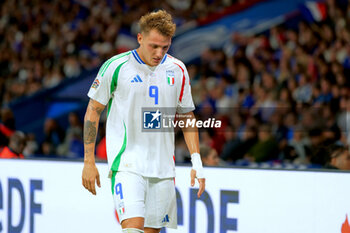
(137, 57)
(164, 58)
(133, 53)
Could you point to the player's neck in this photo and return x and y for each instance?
(152, 68)
(141, 56)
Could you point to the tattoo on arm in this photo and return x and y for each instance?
(89, 132)
(88, 151)
(98, 110)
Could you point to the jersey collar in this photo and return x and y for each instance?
(137, 57)
(164, 58)
(139, 60)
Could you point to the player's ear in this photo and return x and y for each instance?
(139, 38)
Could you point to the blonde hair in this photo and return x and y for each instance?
(159, 20)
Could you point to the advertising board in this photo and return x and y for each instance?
(47, 196)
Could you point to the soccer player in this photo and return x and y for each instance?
(142, 166)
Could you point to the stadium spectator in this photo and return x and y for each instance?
(343, 118)
(53, 136)
(231, 141)
(235, 147)
(331, 131)
(47, 149)
(15, 147)
(332, 157)
(210, 156)
(72, 145)
(278, 129)
(298, 147)
(31, 147)
(7, 126)
(265, 149)
(339, 158)
(302, 94)
(316, 140)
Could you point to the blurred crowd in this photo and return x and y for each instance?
(44, 42)
(283, 96)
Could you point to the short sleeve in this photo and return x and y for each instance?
(100, 89)
(185, 101)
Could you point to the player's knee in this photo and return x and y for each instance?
(132, 230)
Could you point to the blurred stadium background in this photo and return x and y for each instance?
(275, 72)
(278, 65)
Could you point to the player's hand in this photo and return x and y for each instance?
(201, 182)
(90, 176)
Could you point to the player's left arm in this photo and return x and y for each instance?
(192, 142)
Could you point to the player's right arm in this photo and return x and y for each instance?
(91, 120)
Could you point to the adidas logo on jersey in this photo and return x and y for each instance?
(166, 219)
(137, 79)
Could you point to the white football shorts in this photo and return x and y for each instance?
(153, 199)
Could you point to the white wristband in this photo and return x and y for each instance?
(197, 165)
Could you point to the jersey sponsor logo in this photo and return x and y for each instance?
(165, 219)
(137, 79)
(152, 119)
(170, 77)
(95, 84)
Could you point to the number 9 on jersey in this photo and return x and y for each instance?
(153, 93)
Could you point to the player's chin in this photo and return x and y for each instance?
(156, 62)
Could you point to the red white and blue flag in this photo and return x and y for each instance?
(314, 11)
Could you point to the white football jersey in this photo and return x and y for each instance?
(127, 85)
